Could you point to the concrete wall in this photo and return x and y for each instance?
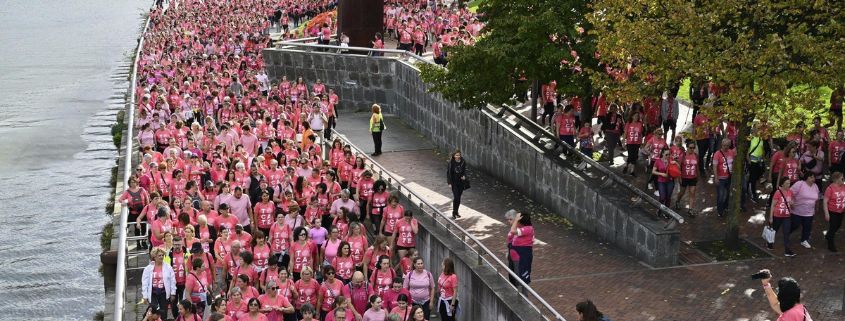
(492, 146)
(359, 81)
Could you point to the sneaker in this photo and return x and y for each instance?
(657, 193)
(691, 213)
(806, 244)
(788, 253)
(770, 246)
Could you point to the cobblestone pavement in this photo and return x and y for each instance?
(571, 265)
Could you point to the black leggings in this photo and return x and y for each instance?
(441, 311)
(835, 224)
(457, 191)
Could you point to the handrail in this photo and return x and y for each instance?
(589, 160)
(537, 128)
(348, 50)
(120, 277)
(464, 234)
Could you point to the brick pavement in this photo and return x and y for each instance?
(571, 265)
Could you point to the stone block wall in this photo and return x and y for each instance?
(359, 80)
(492, 146)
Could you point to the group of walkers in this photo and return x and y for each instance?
(421, 24)
(805, 167)
(247, 219)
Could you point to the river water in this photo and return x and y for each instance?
(63, 73)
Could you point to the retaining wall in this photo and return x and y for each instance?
(488, 144)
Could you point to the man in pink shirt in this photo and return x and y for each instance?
(241, 208)
(249, 141)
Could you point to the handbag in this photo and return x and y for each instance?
(768, 234)
(380, 123)
(674, 170)
(466, 184)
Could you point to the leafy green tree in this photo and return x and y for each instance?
(773, 56)
(542, 40)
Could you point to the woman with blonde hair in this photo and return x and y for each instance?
(376, 128)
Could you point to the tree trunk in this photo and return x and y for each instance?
(535, 93)
(587, 105)
(738, 173)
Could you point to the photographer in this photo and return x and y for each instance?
(786, 302)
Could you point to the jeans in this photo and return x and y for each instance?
(786, 222)
(665, 190)
(158, 298)
(806, 223)
(723, 193)
(457, 191)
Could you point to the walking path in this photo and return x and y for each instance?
(571, 265)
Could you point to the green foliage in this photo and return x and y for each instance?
(541, 40)
(106, 236)
(775, 56)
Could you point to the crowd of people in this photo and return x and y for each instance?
(248, 217)
(804, 167)
(420, 25)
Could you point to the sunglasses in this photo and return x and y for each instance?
(329, 273)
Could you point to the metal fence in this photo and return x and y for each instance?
(122, 247)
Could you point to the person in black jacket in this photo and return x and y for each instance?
(456, 177)
(612, 125)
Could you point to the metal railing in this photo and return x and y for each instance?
(120, 277)
(539, 131)
(407, 56)
(484, 254)
(582, 161)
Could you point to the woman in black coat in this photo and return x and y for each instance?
(456, 177)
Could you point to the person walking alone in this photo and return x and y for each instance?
(376, 128)
(456, 177)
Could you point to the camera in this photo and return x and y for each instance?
(761, 275)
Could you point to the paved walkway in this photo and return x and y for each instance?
(571, 265)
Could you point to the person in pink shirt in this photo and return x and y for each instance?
(273, 305)
(523, 244)
(722, 169)
(402, 308)
(405, 232)
(329, 291)
(834, 207)
(330, 247)
(806, 193)
(564, 122)
(786, 301)
(836, 148)
(343, 263)
(343, 310)
(447, 282)
(391, 296)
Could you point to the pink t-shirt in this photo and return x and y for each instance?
(405, 233)
(835, 195)
(330, 249)
(805, 198)
(238, 207)
(527, 237)
(447, 285)
(797, 313)
(419, 285)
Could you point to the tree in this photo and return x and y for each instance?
(773, 57)
(542, 40)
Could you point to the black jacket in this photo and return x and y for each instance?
(455, 170)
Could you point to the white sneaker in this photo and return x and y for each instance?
(806, 244)
(656, 193)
